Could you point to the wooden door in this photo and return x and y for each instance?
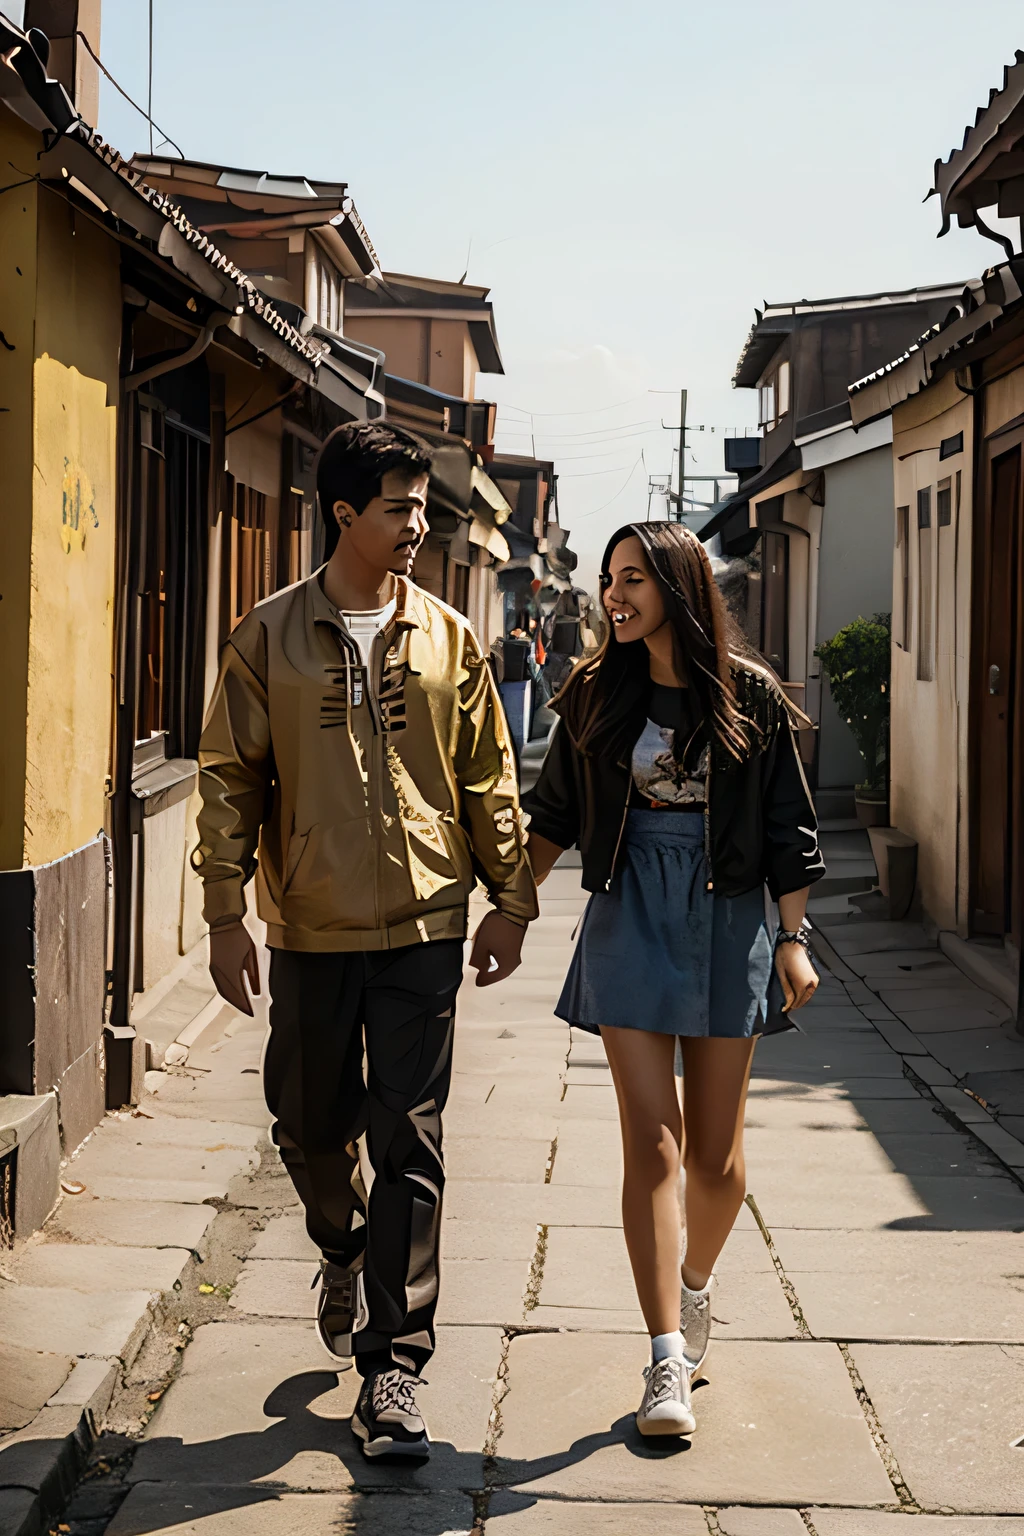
(775, 601)
(997, 682)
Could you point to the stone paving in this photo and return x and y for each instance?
(867, 1374)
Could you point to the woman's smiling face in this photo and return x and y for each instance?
(632, 595)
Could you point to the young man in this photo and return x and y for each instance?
(356, 759)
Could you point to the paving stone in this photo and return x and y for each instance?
(475, 1119)
(75, 1322)
(931, 1072)
(907, 1285)
(933, 1022)
(81, 1267)
(760, 1522)
(780, 1421)
(586, 1270)
(979, 1050)
(1006, 1147)
(105, 1158)
(516, 1514)
(174, 1191)
(28, 1379)
(482, 1291)
(589, 1152)
(910, 962)
(588, 1104)
(896, 1034)
(133, 1223)
(158, 1128)
(856, 1522)
(183, 1510)
(854, 938)
(90, 1385)
(952, 1415)
(1004, 1091)
(260, 1402)
(42, 1456)
(814, 1200)
(877, 1115)
(285, 1237)
(813, 1055)
(276, 1288)
(487, 1240)
(560, 1204)
(858, 1088)
(505, 1159)
(860, 1152)
(967, 1110)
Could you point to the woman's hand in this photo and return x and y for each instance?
(797, 974)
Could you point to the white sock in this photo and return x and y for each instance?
(702, 1292)
(665, 1346)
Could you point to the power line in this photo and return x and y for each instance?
(618, 493)
(593, 412)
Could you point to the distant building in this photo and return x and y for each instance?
(815, 504)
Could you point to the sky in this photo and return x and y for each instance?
(630, 181)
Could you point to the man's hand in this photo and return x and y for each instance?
(232, 962)
(499, 941)
(797, 974)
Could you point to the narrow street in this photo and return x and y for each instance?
(836, 1403)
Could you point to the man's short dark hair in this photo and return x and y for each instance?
(353, 462)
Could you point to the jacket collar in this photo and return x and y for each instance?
(410, 604)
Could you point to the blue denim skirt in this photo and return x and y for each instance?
(661, 952)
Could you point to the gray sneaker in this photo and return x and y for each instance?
(695, 1324)
(666, 1409)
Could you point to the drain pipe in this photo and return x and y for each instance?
(180, 359)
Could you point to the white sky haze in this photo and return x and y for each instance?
(632, 180)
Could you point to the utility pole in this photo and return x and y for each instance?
(682, 448)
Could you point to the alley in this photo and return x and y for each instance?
(850, 1319)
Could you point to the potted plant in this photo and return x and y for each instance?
(857, 664)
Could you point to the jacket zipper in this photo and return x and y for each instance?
(374, 683)
(622, 828)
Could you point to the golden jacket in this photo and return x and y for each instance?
(368, 801)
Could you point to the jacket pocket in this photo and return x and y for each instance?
(298, 844)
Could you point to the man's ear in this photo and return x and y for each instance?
(344, 513)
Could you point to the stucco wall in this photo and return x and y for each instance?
(929, 769)
(70, 642)
(854, 580)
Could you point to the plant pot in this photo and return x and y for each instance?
(871, 813)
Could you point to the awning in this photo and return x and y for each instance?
(460, 490)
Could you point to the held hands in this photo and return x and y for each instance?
(499, 942)
(233, 962)
(797, 974)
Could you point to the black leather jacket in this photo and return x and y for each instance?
(761, 823)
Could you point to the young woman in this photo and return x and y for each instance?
(675, 768)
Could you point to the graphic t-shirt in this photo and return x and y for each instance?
(659, 781)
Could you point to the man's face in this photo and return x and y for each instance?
(391, 528)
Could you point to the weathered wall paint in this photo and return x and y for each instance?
(71, 629)
(18, 145)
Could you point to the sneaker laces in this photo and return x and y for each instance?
(662, 1379)
(396, 1390)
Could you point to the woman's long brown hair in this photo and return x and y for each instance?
(604, 702)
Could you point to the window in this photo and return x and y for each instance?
(925, 587)
(901, 628)
(951, 445)
(944, 503)
(782, 390)
(773, 398)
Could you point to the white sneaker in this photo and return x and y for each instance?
(666, 1409)
(695, 1323)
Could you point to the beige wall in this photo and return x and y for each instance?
(929, 767)
(438, 353)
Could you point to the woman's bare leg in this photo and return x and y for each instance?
(716, 1074)
(642, 1066)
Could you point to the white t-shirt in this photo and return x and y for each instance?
(365, 626)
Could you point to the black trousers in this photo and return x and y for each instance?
(399, 1006)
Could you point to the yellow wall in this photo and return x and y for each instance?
(62, 314)
(928, 754)
(71, 629)
(19, 145)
